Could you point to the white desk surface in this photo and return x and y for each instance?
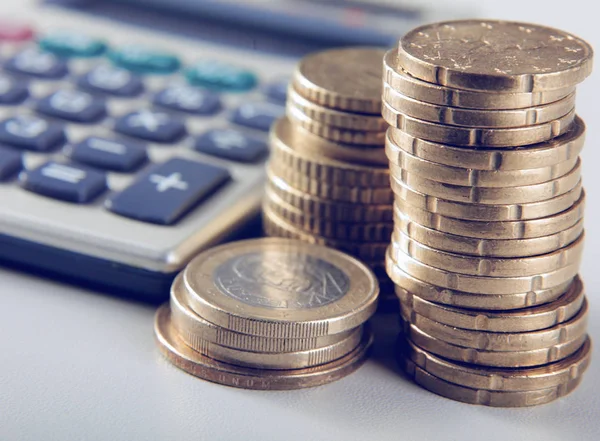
(77, 365)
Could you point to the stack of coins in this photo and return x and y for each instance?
(269, 314)
(328, 177)
(483, 150)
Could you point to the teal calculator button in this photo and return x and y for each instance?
(144, 60)
(69, 44)
(219, 76)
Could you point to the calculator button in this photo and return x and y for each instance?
(189, 99)
(38, 64)
(31, 133)
(277, 91)
(65, 182)
(11, 91)
(258, 115)
(67, 44)
(10, 163)
(167, 191)
(109, 154)
(231, 144)
(220, 76)
(150, 125)
(144, 60)
(113, 81)
(14, 31)
(73, 105)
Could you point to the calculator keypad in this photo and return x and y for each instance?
(112, 80)
(144, 60)
(231, 144)
(31, 133)
(109, 154)
(11, 163)
(152, 126)
(189, 99)
(73, 105)
(12, 91)
(36, 63)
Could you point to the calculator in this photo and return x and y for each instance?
(124, 151)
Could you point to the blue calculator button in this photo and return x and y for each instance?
(73, 105)
(168, 191)
(257, 115)
(65, 182)
(220, 76)
(31, 133)
(113, 81)
(231, 144)
(10, 163)
(38, 64)
(11, 91)
(189, 99)
(70, 44)
(144, 60)
(277, 90)
(150, 125)
(109, 154)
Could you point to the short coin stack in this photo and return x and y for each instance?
(328, 173)
(483, 150)
(269, 314)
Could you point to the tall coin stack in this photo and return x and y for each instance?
(328, 177)
(483, 150)
(269, 314)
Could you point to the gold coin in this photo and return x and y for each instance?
(521, 229)
(495, 55)
(337, 134)
(195, 331)
(512, 359)
(487, 266)
(325, 209)
(476, 136)
(408, 285)
(287, 152)
(486, 247)
(488, 397)
(456, 116)
(421, 90)
(336, 118)
(546, 154)
(532, 318)
(508, 380)
(274, 226)
(355, 88)
(206, 368)
(559, 334)
(365, 232)
(280, 288)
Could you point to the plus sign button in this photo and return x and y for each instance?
(166, 192)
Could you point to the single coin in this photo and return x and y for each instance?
(487, 266)
(522, 229)
(195, 331)
(495, 55)
(408, 285)
(484, 397)
(337, 118)
(545, 154)
(326, 189)
(485, 212)
(325, 209)
(421, 90)
(275, 226)
(476, 136)
(333, 133)
(401, 160)
(367, 232)
(523, 320)
(196, 364)
(280, 288)
(285, 151)
(483, 284)
(562, 333)
(512, 359)
(486, 247)
(508, 380)
(456, 116)
(346, 79)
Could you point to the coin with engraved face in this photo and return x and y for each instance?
(279, 288)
